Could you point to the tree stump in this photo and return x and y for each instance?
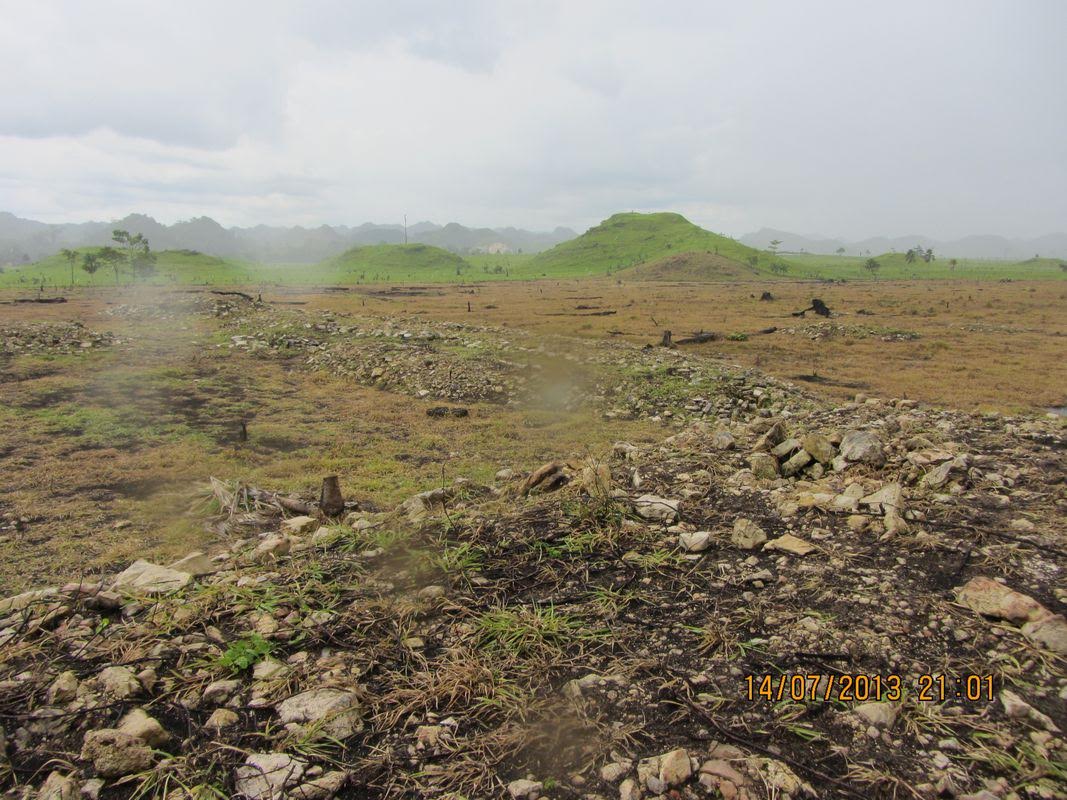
(666, 340)
(331, 501)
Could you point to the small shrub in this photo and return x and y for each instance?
(246, 652)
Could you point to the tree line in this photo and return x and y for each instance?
(131, 252)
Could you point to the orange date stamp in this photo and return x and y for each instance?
(806, 687)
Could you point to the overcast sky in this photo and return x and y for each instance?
(842, 118)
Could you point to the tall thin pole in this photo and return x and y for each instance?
(405, 229)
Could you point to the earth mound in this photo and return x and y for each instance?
(693, 267)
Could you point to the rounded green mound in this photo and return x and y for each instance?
(384, 259)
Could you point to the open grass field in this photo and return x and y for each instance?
(104, 451)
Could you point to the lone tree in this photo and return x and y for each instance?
(91, 263)
(840, 251)
(72, 257)
(872, 266)
(775, 244)
(139, 256)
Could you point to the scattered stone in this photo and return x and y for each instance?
(330, 712)
(272, 547)
(879, 714)
(1017, 708)
(139, 724)
(118, 682)
(723, 440)
(222, 718)
(764, 466)
(321, 788)
(58, 786)
(747, 534)
(523, 789)
(675, 767)
(790, 544)
(23, 601)
(656, 509)
(819, 447)
(992, 599)
(297, 526)
(64, 688)
(796, 463)
(629, 789)
(989, 598)
(267, 776)
(695, 542)
(864, 447)
(147, 578)
(432, 592)
(196, 564)
(115, 753)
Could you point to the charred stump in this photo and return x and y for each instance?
(331, 501)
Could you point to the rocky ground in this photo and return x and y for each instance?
(585, 629)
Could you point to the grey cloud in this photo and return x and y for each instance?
(857, 120)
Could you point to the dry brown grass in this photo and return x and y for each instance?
(981, 345)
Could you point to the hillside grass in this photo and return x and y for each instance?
(172, 267)
(894, 267)
(383, 261)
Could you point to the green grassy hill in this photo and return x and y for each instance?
(628, 240)
(396, 262)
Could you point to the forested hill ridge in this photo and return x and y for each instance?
(25, 240)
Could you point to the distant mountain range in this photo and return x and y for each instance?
(24, 240)
(993, 247)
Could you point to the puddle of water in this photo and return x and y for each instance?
(1059, 411)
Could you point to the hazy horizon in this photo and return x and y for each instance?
(830, 119)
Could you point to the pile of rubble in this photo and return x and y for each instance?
(52, 337)
(839, 330)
